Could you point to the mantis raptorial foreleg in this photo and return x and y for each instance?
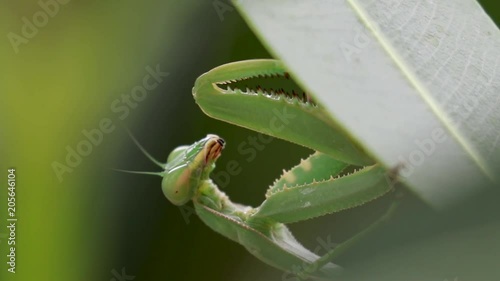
(255, 109)
(306, 201)
(317, 186)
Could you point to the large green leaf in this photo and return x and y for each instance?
(414, 82)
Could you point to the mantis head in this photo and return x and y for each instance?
(187, 166)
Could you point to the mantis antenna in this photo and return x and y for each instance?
(146, 153)
(140, 172)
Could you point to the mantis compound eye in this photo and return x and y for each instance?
(187, 166)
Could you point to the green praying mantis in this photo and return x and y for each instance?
(315, 187)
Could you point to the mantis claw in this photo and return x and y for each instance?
(221, 94)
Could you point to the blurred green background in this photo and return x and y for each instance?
(92, 223)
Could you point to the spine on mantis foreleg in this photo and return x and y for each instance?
(277, 113)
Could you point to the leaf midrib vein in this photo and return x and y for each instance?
(419, 86)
